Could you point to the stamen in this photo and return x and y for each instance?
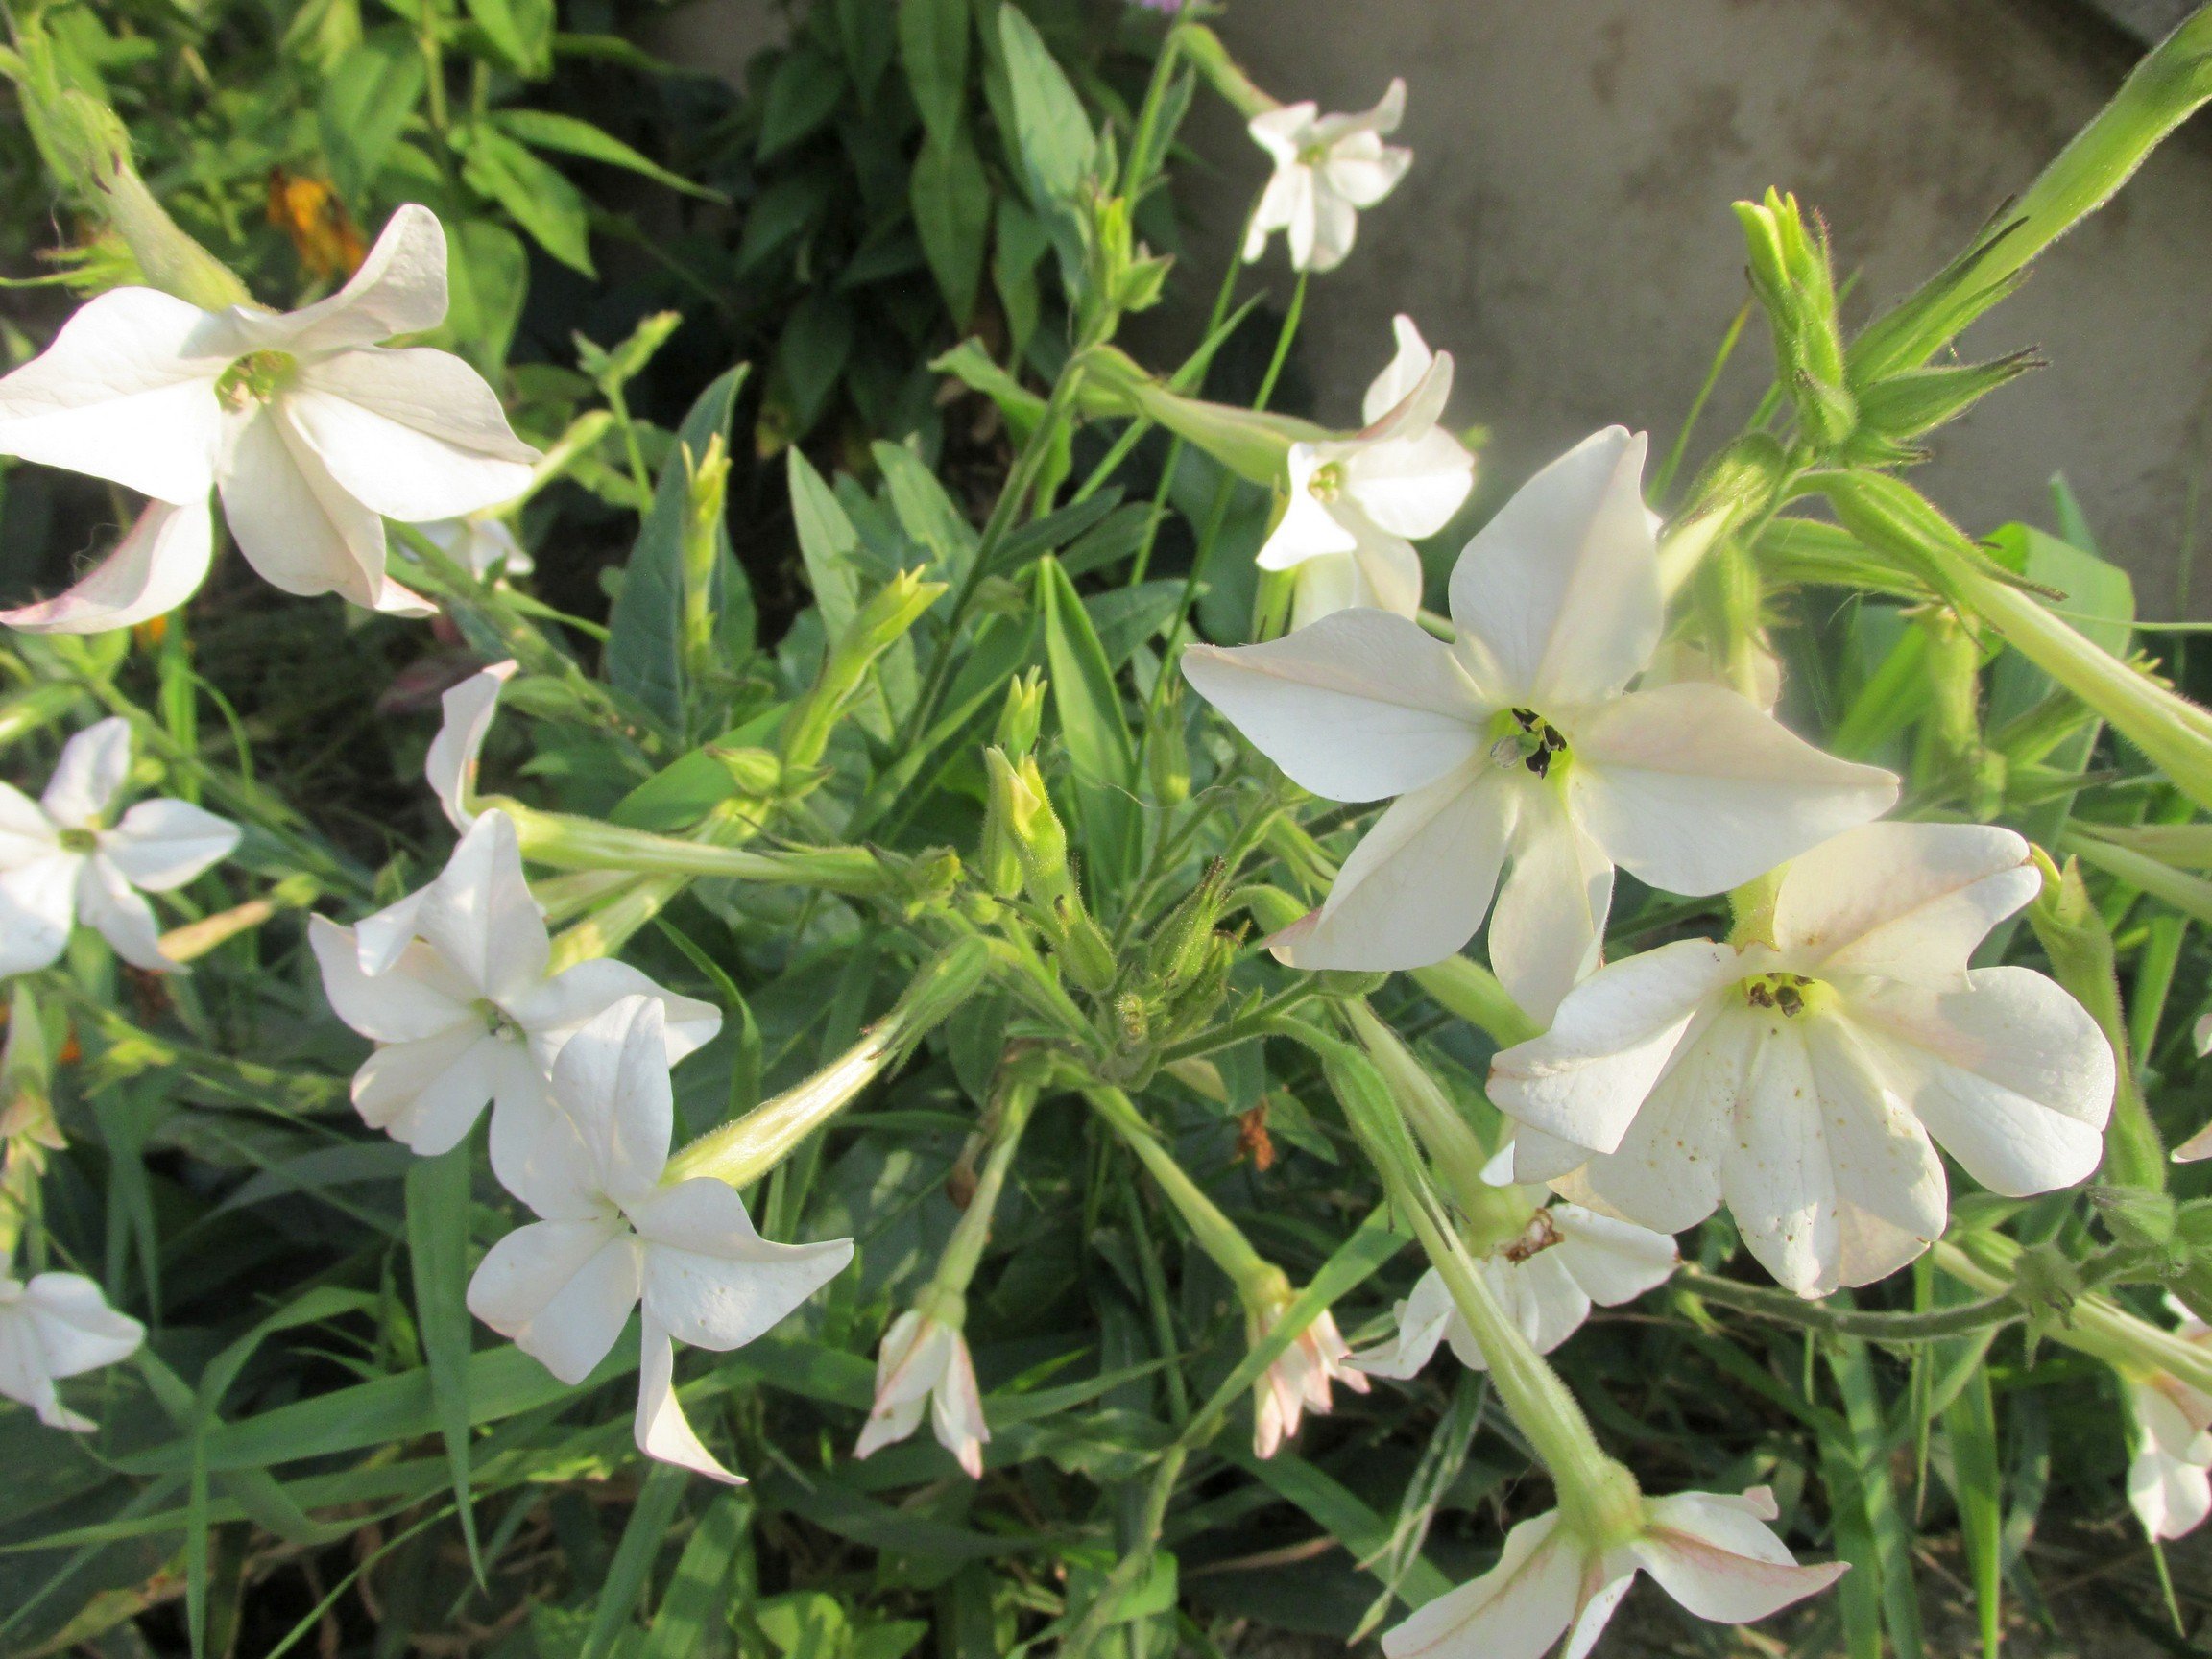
(1787, 993)
(1327, 483)
(255, 379)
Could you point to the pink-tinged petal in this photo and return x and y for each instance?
(1414, 890)
(426, 1093)
(91, 772)
(417, 997)
(479, 914)
(292, 521)
(1719, 1561)
(1612, 1578)
(612, 1084)
(1904, 902)
(1613, 1261)
(956, 1410)
(661, 1430)
(1517, 1610)
(710, 1278)
(1666, 1173)
(1558, 597)
(1549, 924)
(2010, 1076)
(413, 434)
(1610, 1041)
(163, 844)
(106, 903)
(450, 764)
(1358, 707)
(157, 566)
(908, 1362)
(1694, 790)
(1396, 383)
(127, 393)
(1423, 1320)
(400, 289)
(38, 907)
(562, 1290)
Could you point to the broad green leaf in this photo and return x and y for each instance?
(366, 105)
(781, 214)
(869, 41)
(698, 1597)
(1091, 723)
(644, 646)
(535, 195)
(812, 354)
(488, 279)
(522, 31)
(933, 48)
(1052, 136)
(543, 130)
(1126, 618)
(951, 202)
(688, 788)
(925, 511)
(438, 1215)
(831, 548)
(1018, 242)
(801, 95)
(1977, 1485)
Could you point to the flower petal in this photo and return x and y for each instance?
(1517, 1610)
(1411, 486)
(710, 1278)
(26, 833)
(1558, 597)
(23, 1373)
(1540, 1295)
(535, 1153)
(92, 769)
(480, 916)
(1611, 1041)
(451, 765)
(412, 434)
(78, 1331)
(1892, 1196)
(426, 1093)
(562, 1290)
(1906, 902)
(292, 521)
(1396, 383)
(1422, 1320)
(106, 901)
(552, 1009)
(2010, 1076)
(38, 907)
(1550, 923)
(126, 392)
(1666, 1173)
(400, 289)
(1414, 890)
(1720, 1562)
(1694, 790)
(1309, 529)
(1358, 707)
(1778, 1177)
(956, 1410)
(662, 1430)
(163, 844)
(612, 1084)
(1613, 1261)
(157, 566)
(420, 995)
(2170, 1497)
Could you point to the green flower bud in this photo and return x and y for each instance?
(1022, 714)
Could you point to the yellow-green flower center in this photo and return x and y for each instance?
(255, 379)
(1788, 994)
(78, 840)
(496, 1020)
(1523, 737)
(1328, 481)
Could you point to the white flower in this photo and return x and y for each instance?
(56, 1326)
(2170, 1476)
(925, 1361)
(1353, 502)
(479, 543)
(1327, 167)
(1715, 1554)
(1546, 1277)
(60, 860)
(451, 985)
(1517, 743)
(1801, 1080)
(311, 432)
(613, 1235)
(1298, 1381)
(450, 762)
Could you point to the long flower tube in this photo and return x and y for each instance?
(741, 1152)
(567, 842)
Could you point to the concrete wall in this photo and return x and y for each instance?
(1565, 230)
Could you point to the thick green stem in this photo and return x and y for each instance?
(965, 1249)
(1221, 1238)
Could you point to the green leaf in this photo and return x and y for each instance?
(812, 354)
(867, 40)
(521, 31)
(952, 201)
(631, 1568)
(488, 278)
(1053, 135)
(437, 1217)
(1125, 618)
(831, 548)
(537, 197)
(366, 103)
(933, 48)
(925, 511)
(1978, 1484)
(1091, 721)
(699, 1594)
(1889, 1527)
(1019, 243)
(801, 95)
(543, 130)
(1365, 1535)
(644, 653)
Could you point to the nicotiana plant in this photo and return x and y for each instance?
(1002, 997)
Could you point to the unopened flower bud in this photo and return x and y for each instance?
(757, 772)
(1167, 751)
(1022, 716)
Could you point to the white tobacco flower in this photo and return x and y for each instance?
(479, 543)
(1327, 168)
(924, 1362)
(59, 1325)
(613, 1235)
(1713, 1553)
(1546, 1277)
(451, 985)
(1298, 1381)
(1800, 1078)
(60, 860)
(449, 765)
(311, 432)
(1518, 745)
(2170, 1476)
(1355, 501)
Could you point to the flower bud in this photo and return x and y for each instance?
(1022, 714)
(1792, 276)
(757, 773)
(1168, 750)
(879, 624)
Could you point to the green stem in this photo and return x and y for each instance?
(1785, 1309)
(1221, 1238)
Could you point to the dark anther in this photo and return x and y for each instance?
(1526, 717)
(1540, 763)
(1789, 999)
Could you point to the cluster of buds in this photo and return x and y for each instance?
(1180, 980)
(1026, 845)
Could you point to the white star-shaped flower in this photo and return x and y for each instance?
(1299, 1378)
(1327, 168)
(1801, 1079)
(59, 1325)
(312, 433)
(2170, 1476)
(613, 1235)
(451, 985)
(1355, 501)
(1518, 745)
(60, 860)
(924, 1362)
(1713, 1553)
